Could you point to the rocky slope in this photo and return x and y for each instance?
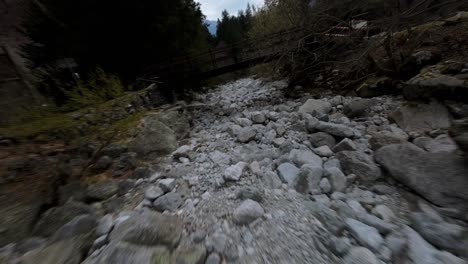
(264, 179)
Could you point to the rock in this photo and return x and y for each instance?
(345, 145)
(383, 212)
(271, 180)
(170, 202)
(56, 217)
(337, 179)
(63, 252)
(246, 134)
(216, 242)
(384, 138)
(251, 193)
(247, 212)
(325, 186)
(379, 224)
(167, 185)
(105, 225)
(220, 158)
(360, 255)
(102, 191)
(278, 142)
(302, 157)
(318, 106)
(182, 152)
(153, 192)
(421, 118)
(328, 217)
(258, 118)
(288, 173)
(194, 254)
(213, 258)
(308, 179)
(337, 130)
(357, 107)
(442, 143)
(233, 173)
(359, 163)
(366, 235)
(439, 177)
(332, 163)
(244, 122)
(102, 163)
(74, 190)
(382, 189)
(340, 245)
(443, 235)
(323, 151)
(322, 139)
(459, 133)
(81, 227)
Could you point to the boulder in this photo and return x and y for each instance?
(271, 180)
(338, 130)
(247, 212)
(360, 164)
(439, 177)
(288, 173)
(170, 202)
(360, 255)
(422, 118)
(386, 137)
(366, 235)
(246, 134)
(357, 107)
(323, 151)
(345, 144)
(459, 132)
(68, 251)
(322, 139)
(337, 179)
(441, 143)
(308, 180)
(102, 191)
(313, 106)
(305, 156)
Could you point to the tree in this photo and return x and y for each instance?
(121, 36)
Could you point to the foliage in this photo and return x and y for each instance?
(99, 88)
(232, 29)
(123, 37)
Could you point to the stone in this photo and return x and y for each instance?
(170, 202)
(323, 151)
(62, 252)
(459, 133)
(102, 163)
(366, 235)
(247, 212)
(216, 242)
(359, 163)
(340, 245)
(153, 192)
(318, 106)
(288, 173)
(308, 179)
(56, 217)
(102, 191)
(81, 227)
(182, 152)
(337, 130)
(322, 139)
(128, 253)
(360, 255)
(332, 163)
(193, 254)
(251, 193)
(442, 143)
(213, 258)
(357, 107)
(382, 189)
(337, 179)
(328, 217)
(244, 122)
(246, 135)
(439, 177)
(278, 142)
(271, 180)
(105, 225)
(325, 186)
(384, 138)
(379, 224)
(345, 145)
(383, 212)
(258, 118)
(233, 173)
(303, 156)
(167, 185)
(421, 118)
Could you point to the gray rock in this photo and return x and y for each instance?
(382, 189)
(213, 258)
(328, 217)
(81, 227)
(258, 118)
(345, 145)
(459, 132)
(383, 212)
(442, 143)
(170, 202)
(439, 177)
(301, 157)
(422, 118)
(153, 192)
(216, 242)
(246, 134)
(244, 122)
(337, 130)
(192, 254)
(318, 106)
(251, 193)
(357, 107)
(182, 152)
(366, 235)
(105, 225)
(62, 252)
(271, 180)
(360, 255)
(288, 173)
(332, 163)
(384, 138)
(325, 186)
(247, 212)
(167, 185)
(102, 191)
(56, 217)
(359, 163)
(322, 139)
(340, 245)
(233, 173)
(337, 179)
(308, 179)
(379, 224)
(323, 151)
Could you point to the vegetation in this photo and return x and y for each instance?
(232, 29)
(71, 39)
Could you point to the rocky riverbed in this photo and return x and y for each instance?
(261, 178)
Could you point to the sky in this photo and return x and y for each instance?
(213, 8)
